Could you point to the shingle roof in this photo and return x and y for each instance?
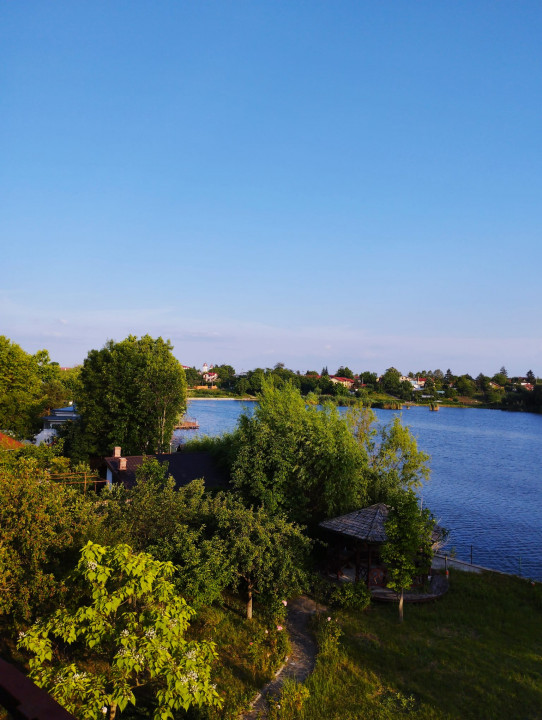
(366, 524)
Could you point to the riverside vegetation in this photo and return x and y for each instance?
(107, 573)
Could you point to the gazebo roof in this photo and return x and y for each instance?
(366, 524)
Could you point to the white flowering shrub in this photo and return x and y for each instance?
(131, 633)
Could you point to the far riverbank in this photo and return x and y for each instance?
(214, 399)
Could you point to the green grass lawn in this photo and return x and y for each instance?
(476, 653)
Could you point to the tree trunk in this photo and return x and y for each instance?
(401, 599)
(112, 711)
(249, 603)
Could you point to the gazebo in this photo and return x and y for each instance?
(362, 533)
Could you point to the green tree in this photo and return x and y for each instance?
(267, 553)
(390, 382)
(394, 461)
(407, 551)
(449, 377)
(465, 385)
(530, 377)
(297, 458)
(193, 377)
(131, 393)
(370, 379)
(21, 389)
(128, 632)
(177, 526)
(41, 526)
(226, 375)
(501, 379)
(482, 382)
(345, 372)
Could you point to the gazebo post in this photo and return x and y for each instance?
(368, 563)
(357, 562)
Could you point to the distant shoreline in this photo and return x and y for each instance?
(214, 399)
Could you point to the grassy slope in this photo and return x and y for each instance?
(477, 653)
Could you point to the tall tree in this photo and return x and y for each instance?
(298, 459)
(394, 461)
(345, 372)
(390, 381)
(226, 375)
(266, 552)
(21, 388)
(131, 393)
(407, 551)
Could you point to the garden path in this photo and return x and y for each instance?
(300, 662)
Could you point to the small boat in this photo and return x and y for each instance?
(187, 424)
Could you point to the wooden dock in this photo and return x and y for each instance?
(187, 424)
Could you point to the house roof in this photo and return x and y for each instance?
(9, 443)
(367, 524)
(182, 466)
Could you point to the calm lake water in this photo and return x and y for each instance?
(486, 477)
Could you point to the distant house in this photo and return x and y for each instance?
(208, 374)
(417, 383)
(59, 416)
(527, 386)
(345, 382)
(182, 466)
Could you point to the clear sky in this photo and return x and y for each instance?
(313, 183)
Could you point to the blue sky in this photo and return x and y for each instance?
(314, 183)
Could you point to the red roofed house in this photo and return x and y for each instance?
(345, 382)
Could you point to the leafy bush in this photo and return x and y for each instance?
(130, 633)
(351, 596)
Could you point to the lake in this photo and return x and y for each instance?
(486, 477)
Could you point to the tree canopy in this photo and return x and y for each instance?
(41, 524)
(29, 384)
(130, 394)
(127, 630)
(313, 462)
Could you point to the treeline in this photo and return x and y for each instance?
(32, 385)
(498, 390)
